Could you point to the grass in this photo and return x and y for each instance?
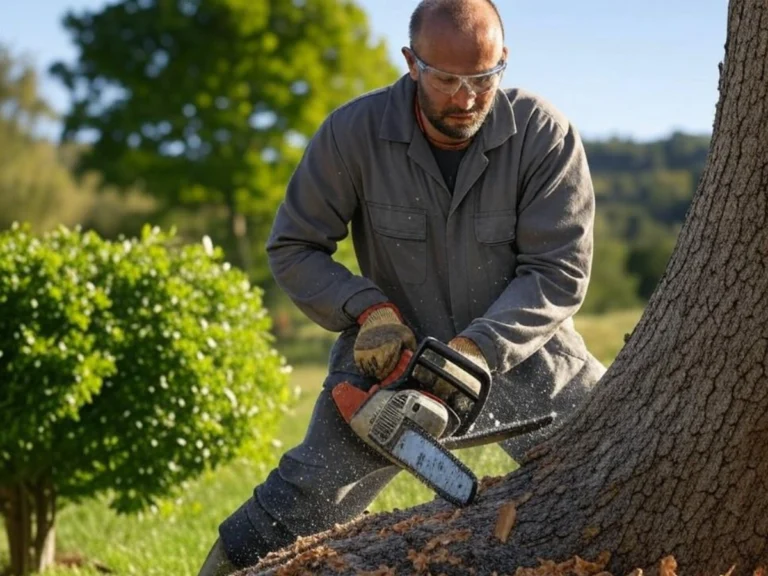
(604, 334)
(175, 538)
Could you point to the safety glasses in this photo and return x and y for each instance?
(449, 84)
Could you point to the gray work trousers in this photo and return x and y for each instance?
(332, 476)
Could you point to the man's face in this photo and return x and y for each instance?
(442, 54)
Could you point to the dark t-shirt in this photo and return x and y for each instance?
(448, 161)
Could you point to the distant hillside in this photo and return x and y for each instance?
(643, 191)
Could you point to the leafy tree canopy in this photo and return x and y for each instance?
(212, 102)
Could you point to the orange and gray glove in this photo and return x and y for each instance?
(381, 340)
(446, 391)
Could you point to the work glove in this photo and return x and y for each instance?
(445, 390)
(381, 340)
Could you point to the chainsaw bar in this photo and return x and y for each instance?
(424, 457)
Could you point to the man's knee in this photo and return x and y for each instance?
(329, 478)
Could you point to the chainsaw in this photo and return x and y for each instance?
(415, 429)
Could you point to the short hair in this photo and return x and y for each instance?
(452, 10)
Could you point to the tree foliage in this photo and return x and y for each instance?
(611, 285)
(212, 102)
(21, 108)
(128, 367)
(643, 191)
(37, 183)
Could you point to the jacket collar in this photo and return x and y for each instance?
(398, 122)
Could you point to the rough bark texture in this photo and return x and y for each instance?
(670, 455)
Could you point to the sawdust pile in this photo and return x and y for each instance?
(313, 555)
(324, 558)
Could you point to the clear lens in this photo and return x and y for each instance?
(450, 83)
(484, 83)
(446, 83)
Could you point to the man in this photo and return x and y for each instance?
(471, 211)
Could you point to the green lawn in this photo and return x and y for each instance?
(175, 538)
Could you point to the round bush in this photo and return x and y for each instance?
(129, 366)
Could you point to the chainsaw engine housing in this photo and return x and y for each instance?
(383, 414)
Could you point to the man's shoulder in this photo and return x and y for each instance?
(369, 106)
(530, 108)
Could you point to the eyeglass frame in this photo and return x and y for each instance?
(463, 78)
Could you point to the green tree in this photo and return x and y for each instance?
(611, 285)
(37, 184)
(126, 368)
(648, 260)
(667, 194)
(34, 182)
(21, 108)
(211, 103)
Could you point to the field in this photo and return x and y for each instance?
(175, 538)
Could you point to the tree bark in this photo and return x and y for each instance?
(18, 525)
(670, 454)
(45, 524)
(29, 512)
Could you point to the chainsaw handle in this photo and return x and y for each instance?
(464, 363)
(445, 351)
(409, 360)
(445, 375)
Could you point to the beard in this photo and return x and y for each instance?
(440, 119)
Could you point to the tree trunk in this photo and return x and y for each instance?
(30, 514)
(670, 454)
(45, 520)
(238, 229)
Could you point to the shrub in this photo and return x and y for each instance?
(125, 368)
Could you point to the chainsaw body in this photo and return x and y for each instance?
(379, 418)
(407, 425)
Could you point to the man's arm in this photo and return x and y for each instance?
(319, 203)
(554, 242)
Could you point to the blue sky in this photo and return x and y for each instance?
(636, 69)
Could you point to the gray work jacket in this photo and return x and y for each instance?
(504, 260)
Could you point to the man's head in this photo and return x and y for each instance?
(451, 38)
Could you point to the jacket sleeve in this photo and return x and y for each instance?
(319, 203)
(554, 242)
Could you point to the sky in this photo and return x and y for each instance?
(634, 69)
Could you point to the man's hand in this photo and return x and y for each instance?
(381, 340)
(447, 392)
